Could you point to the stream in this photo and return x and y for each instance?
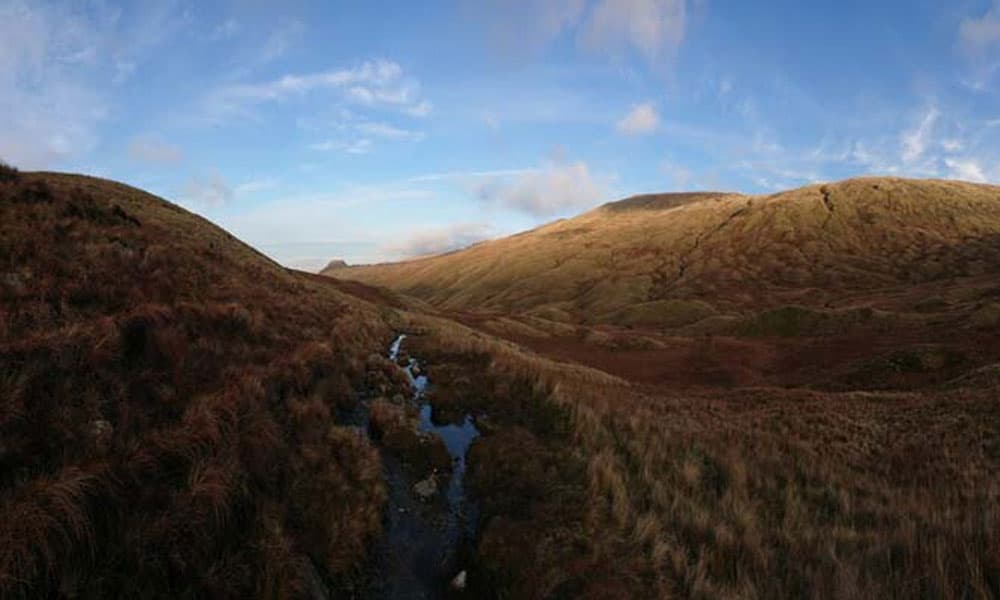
(421, 550)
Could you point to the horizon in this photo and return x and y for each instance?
(382, 133)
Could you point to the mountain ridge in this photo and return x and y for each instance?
(851, 235)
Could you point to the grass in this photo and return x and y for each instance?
(168, 399)
(166, 403)
(761, 492)
(770, 408)
(813, 247)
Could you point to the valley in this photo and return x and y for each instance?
(705, 395)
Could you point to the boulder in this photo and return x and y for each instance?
(427, 488)
(458, 583)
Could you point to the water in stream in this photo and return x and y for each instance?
(419, 553)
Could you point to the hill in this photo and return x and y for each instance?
(864, 271)
(180, 417)
(626, 261)
(785, 372)
(165, 404)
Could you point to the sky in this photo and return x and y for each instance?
(378, 130)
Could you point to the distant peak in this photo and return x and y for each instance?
(659, 201)
(334, 264)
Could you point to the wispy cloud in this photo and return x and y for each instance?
(642, 119)
(439, 240)
(282, 39)
(50, 109)
(59, 65)
(679, 175)
(152, 149)
(652, 28)
(352, 133)
(359, 146)
(256, 185)
(916, 141)
(387, 131)
(471, 175)
(520, 27)
(552, 190)
(380, 83)
(979, 41)
(225, 30)
(966, 169)
(207, 190)
(978, 35)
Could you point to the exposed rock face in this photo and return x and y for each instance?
(334, 265)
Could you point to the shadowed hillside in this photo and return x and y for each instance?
(165, 404)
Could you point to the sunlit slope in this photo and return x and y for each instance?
(648, 258)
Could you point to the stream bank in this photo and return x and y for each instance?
(430, 521)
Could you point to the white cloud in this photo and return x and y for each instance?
(58, 64)
(225, 30)
(519, 27)
(281, 40)
(380, 83)
(384, 130)
(354, 134)
(966, 169)
(554, 189)
(255, 185)
(471, 176)
(916, 141)
(978, 35)
(952, 145)
(361, 146)
(207, 190)
(50, 110)
(653, 28)
(439, 240)
(642, 119)
(154, 150)
(680, 176)
(420, 109)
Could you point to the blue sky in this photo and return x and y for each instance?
(379, 130)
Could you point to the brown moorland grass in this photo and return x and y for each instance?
(756, 492)
(166, 426)
(165, 405)
(796, 397)
(670, 263)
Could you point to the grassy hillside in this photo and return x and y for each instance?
(171, 422)
(674, 260)
(165, 404)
